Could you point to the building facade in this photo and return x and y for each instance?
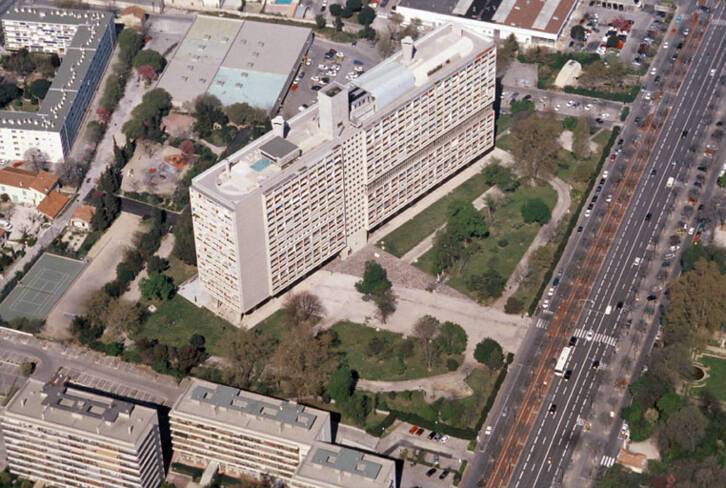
(26, 187)
(71, 438)
(316, 185)
(240, 433)
(84, 40)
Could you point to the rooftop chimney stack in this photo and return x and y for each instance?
(278, 126)
(333, 109)
(407, 49)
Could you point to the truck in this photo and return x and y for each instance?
(669, 183)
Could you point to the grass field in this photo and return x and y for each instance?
(176, 320)
(506, 224)
(273, 326)
(716, 381)
(353, 340)
(404, 238)
(179, 271)
(463, 413)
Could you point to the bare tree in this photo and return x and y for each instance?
(303, 308)
(426, 329)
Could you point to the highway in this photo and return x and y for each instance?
(506, 458)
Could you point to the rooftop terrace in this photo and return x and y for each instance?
(346, 467)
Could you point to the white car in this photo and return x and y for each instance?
(557, 108)
(588, 212)
(322, 66)
(488, 430)
(605, 174)
(691, 231)
(653, 70)
(588, 106)
(315, 78)
(609, 198)
(302, 107)
(551, 291)
(590, 335)
(358, 69)
(665, 45)
(546, 304)
(713, 72)
(636, 261)
(605, 115)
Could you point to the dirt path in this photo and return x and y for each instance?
(449, 385)
(561, 209)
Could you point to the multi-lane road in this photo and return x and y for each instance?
(540, 457)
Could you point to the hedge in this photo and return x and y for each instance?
(573, 220)
(626, 97)
(380, 428)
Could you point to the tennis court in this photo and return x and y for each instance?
(41, 287)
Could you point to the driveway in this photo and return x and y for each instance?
(342, 302)
(104, 256)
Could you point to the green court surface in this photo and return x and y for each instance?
(41, 287)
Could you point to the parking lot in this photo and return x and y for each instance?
(325, 70)
(105, 385)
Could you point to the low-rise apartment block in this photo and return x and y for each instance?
(71, 438)
(84, 40)
(26, 187)
(316, 185)
(240, 433)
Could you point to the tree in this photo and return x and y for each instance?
(535, 145)
(8, 93)
(535, 210)
(96, 306)
(208, 114)
(581, 139)
(243, 114)
(341, 384)
(21, 62)
(121, 319)
(366, 16)
(146, 73)
(425, 330)
(156, 264)
(354, 5)
(465, 222)
(375, 280)
(129, 42)
(184, 247)
(685, 428)
(490, 353)
(39, 88)
(27, 368)
(506, 53)
(149, 57)
(320, 20)
(246, 353)
(157, 285)
(145, 121)
(303, 362)
(487, 284)
(513, 306)
(94, 131)
(577, 32)
(386, 304)
(451, 339)
(303, 308)
(338, 23)
(384, 44)
(336, 10)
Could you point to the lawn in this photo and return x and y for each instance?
(716, 381)
(388, 365)
(273, 326)
(179, 271)
(504, 142)
(176, 320)
(405, 238)
(463, 413)
(506, 225)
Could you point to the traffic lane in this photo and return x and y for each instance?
(613, 325)
(663, 176)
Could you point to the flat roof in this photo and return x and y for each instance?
(74, 409)
(71, 74)
(247, 411)
(386, 86)
(345, 467)
(541, 15)
(235, 60)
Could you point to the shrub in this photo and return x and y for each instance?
(452, 364)
(569, 123)
(535, 210)
(502, 242)
(513, 306)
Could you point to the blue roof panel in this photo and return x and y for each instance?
(386, 82)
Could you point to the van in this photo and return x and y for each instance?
(669, 183)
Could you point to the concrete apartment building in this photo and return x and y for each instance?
(240, 433)
(70, 438)
(84, 40)
(316, 185)
(533, 23)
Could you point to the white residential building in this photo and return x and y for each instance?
(315, 186)
(240, 433)
(70, 438)
(84, 39)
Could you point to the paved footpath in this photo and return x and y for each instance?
(448, 385)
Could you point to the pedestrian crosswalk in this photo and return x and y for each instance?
(604, 338)
(607, 461)
(542, 324)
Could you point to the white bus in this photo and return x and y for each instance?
(562, 361)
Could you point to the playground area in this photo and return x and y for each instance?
(41, 287)
(154, 169)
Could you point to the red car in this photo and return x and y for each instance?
(412, 430)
